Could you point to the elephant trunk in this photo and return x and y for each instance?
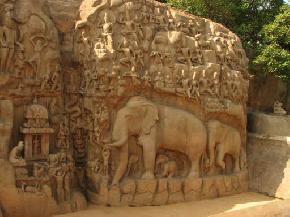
(211, 146)
(120, 131)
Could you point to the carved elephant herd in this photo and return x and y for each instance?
(161, 127)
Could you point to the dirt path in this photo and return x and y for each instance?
(192, 209)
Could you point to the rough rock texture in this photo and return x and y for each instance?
(264, 91)
(269, 124)
(269, 154)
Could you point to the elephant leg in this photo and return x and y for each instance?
(237, 163)
(194, 172)
(149, 155)
(121, 170)
(220, 158)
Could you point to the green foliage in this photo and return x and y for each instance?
(274, 55)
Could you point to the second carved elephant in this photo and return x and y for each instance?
(224, 140)
(157, 127)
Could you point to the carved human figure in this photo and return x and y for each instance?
(39, 42)
(62, 135)
(128, 52)
(108, 32)
(15, 156)
(59, 178)
(185, 86)
(146, 120)
(159, 81)
(7, 39)
(194, 90)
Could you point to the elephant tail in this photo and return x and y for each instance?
(203, 164)
(242, 158)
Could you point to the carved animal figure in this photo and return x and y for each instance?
(226, 140)
(169, 167)
(156, 126)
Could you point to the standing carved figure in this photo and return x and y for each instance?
(39, 42)
(59, 177)
(7, 40)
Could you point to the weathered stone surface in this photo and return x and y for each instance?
(128, 186)
(162, 185)
(268, 156)
(143, 199)
(127, 199)
(160, 198)
(269, 124)
(114, 196)
(192, 184)
(120, 99)
(174, 185)
(146, 186)
(175, 197)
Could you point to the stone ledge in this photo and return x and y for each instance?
(169, 191)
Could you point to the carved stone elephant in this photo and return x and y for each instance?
(156, 126)
(225, 140)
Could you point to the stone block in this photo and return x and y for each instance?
(127, 199)
(162, 185)
(176, 197)
(220, 185)
(244, 181)
(128, 186)
(144, 199)
(160, 198)
(209, 189)
(146, 185)
(192, 184)
(115, 196)
(174, 185)
(192, 195)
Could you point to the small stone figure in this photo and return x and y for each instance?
(59, 177)
(106, 155)
(278, 108)
(15, 156)
(159, 81)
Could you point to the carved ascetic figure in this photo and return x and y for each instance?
(16, 155)
(157, 126)
(224, 139)
(39, 42)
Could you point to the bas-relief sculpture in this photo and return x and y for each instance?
(175, 88)
(152, 111)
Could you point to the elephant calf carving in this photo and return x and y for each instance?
(225, 140)
(156, 126)
(168, 167)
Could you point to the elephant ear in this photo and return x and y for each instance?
(150, 119)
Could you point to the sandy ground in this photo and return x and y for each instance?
(192, 209)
